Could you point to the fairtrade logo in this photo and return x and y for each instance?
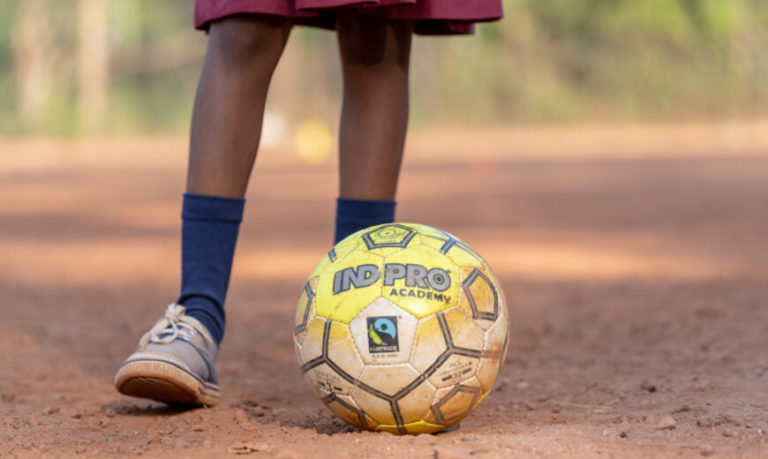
(382, 334)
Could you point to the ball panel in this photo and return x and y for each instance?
(342, 350)
(436, 243)
(389, 236)
(463, 255)
(433, 239)
(377, 408)
(312, 344)
(413, 428)
(315, 389)
(297, 348)
(456, 369)
(346, 408)
(388, 428)
(329, 381)
(383, 333)
(488, 372)
(387, 379)
(481, 298)
(305, 305)
(428, 230)
(429, 343)
(494, 353)
(372, 424)
(438, 239)
(415, 404)
(501, 297)
(422, 427)
(464, 331)
(496, 338)
(454, 403)
(348, 286)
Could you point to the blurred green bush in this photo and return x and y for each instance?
(547, 61)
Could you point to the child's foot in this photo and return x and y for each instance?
(175, 363)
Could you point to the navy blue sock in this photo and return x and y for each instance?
(208, 236)
(355, 214)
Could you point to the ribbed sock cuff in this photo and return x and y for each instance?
(355, 214)
(209, 236)
(213, 208)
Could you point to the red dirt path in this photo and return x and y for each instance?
(636, 283)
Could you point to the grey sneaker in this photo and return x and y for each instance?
(175, 363)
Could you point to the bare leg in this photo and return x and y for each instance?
(229, 106)
(375, 55)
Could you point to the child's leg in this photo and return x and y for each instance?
(226, 127)
(375, 55)
(176, 360)
(243, 52)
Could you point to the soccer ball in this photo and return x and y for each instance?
(402, 328)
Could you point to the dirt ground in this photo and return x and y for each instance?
(634, 262)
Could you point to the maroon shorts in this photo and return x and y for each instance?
(430, 17)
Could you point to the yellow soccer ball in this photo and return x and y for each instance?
(402, 328)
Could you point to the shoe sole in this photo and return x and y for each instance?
(165, 382)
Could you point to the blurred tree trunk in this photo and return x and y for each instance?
(93, 64)
(34, 56)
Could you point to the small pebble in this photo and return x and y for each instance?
(528, 406)
(683, 409)
(646, 386)
(667, 423)
(241, 417)
(732, 420)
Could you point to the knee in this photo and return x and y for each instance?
(373, 42)
(243, 40)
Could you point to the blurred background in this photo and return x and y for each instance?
(113, 67)
(609, 158)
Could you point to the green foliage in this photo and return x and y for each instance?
(628, 59)
(8, 122)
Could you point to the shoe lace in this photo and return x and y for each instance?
(173, 324)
